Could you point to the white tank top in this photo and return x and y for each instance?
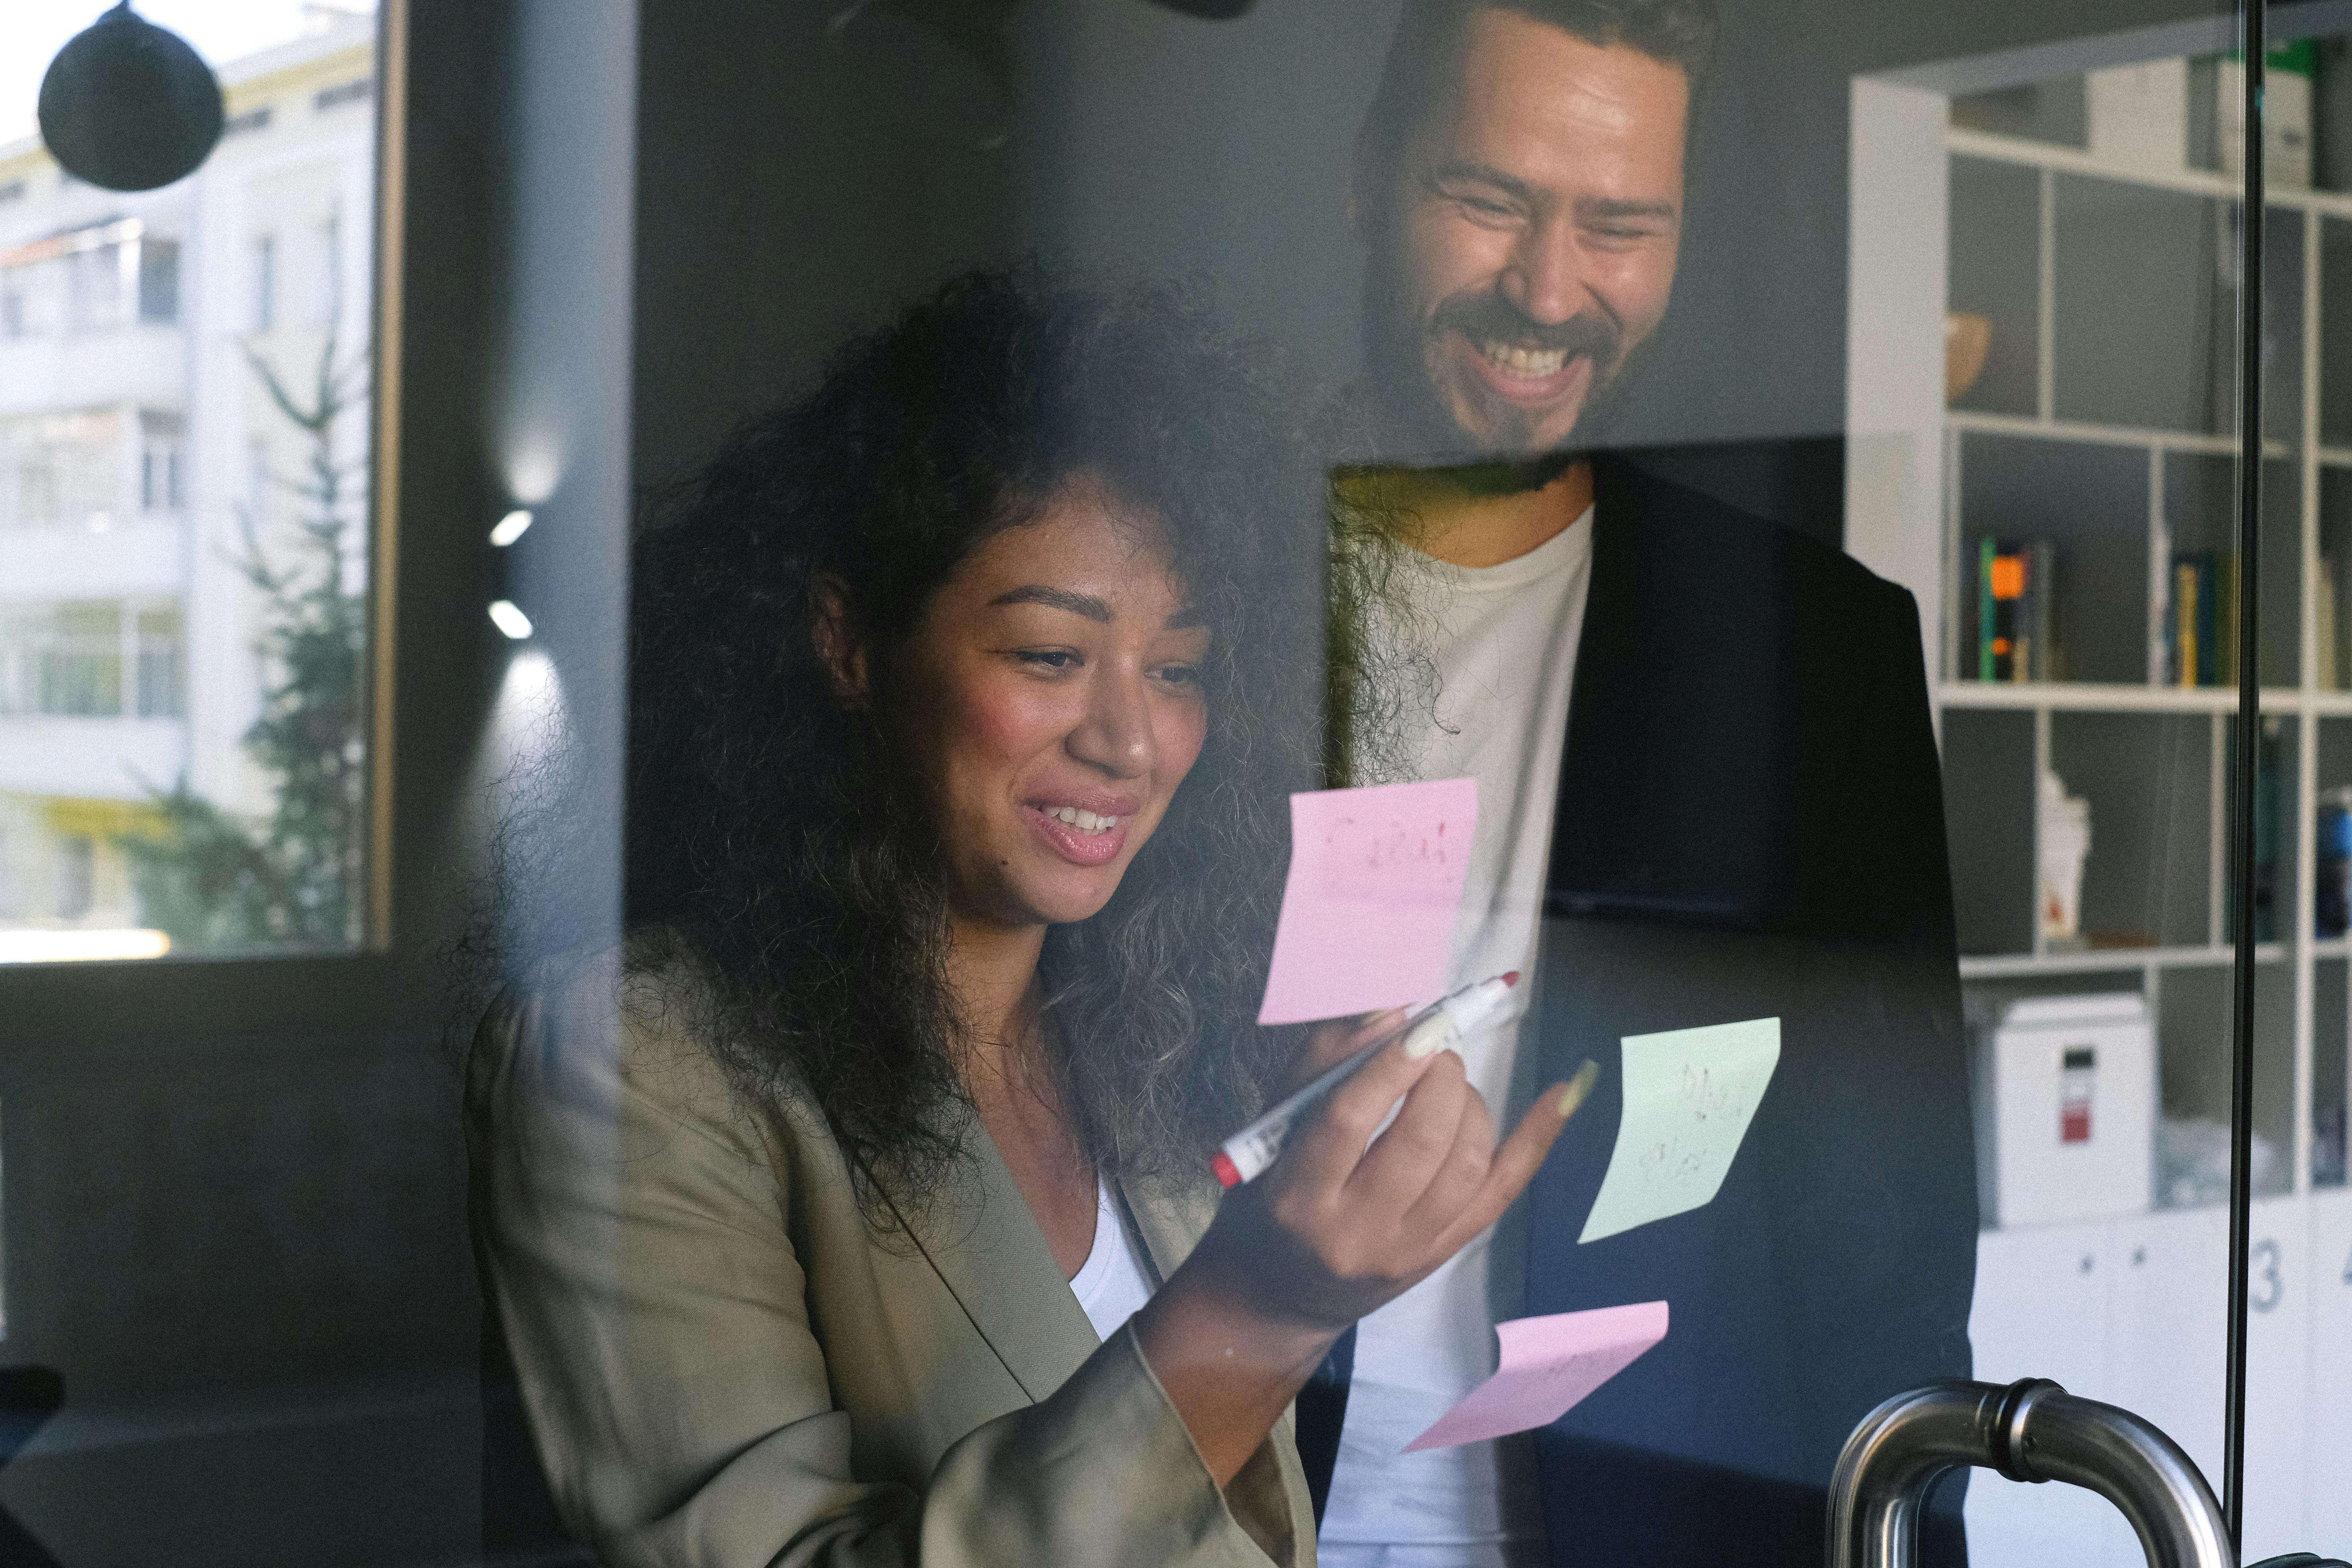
(1113, 1283)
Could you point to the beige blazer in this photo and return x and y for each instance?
(723, 1366)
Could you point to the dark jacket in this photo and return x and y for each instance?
(1750, 824)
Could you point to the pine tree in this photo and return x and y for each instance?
(210, 879)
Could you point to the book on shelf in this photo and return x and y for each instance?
(2324, 626)
(2332, 617)
(2016, 610)
(2200, 619)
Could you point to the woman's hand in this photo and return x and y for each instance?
(1345, 1222)
(1342, 1222)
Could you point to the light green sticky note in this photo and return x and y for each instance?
(1689, 1094)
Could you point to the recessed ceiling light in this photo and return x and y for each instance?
(510, 620)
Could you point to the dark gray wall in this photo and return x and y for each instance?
(794, 185)
(774, 205)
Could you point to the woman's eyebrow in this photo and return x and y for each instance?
(1085, 605)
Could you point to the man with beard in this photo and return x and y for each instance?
(1708, 792)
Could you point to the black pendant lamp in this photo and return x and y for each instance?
(128, 105)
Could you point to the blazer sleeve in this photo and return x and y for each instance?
(629, 1222)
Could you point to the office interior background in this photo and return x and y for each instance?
(1958, 293)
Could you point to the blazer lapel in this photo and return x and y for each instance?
(1170, 1222)
(985, 1246)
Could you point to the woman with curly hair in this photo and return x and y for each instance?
(855, 1211)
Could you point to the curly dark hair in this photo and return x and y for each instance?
(773, 843)
(1680, 33)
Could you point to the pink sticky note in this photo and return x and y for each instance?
(1368, 910)
(1549, 1364)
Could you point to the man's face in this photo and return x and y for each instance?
(1524, 239)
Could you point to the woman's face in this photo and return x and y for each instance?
(1051, 698)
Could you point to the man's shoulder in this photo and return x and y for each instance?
(1688, 533)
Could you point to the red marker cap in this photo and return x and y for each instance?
(1228, 1173)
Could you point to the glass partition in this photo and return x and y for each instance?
(1749, 502)
(2092, 482)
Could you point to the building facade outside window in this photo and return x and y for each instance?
(183, 464)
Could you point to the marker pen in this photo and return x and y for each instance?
(1246, 1153)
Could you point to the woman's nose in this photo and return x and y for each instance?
(1115, 734)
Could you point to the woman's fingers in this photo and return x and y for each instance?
(1325, 1153)
(1514, 1165)
(1397, 1170)
(1330, 1044)
(1378, 1213)
(1459, 1174)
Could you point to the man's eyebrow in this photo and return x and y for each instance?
(1085, 605)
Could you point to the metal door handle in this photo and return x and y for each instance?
(2031, 1430)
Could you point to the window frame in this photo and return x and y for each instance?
(430, 662)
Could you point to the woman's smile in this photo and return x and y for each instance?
(1084, 829)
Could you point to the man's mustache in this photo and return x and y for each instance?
(1484, 318)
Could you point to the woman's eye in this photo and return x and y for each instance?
(1049, 659)
(1181, 674)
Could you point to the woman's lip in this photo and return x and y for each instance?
(1078, 848)
(1121, 805)
(1529, 391)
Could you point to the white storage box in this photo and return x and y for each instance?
(2065, 1107)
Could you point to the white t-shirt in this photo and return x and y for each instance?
(1505, 647)
(1111, 1284)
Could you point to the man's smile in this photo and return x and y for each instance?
(1522, 375)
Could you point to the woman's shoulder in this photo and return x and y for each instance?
(629, 1032)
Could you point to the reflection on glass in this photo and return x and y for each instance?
(183, 440)
(2090, 473)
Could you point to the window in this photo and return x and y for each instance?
(159, 282)
(160, 664)
(207, 471)
(91, 658)
(30, 290)
(77, 876)
(95, 294)
(327, 271)
(60, 467)
(265, 282)
(63, 660)
(162, 463)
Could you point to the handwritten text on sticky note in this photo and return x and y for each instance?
(1548, 1365)
(1689, 1094)
(1368, 909)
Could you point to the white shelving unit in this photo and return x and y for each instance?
(2128, 1310)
